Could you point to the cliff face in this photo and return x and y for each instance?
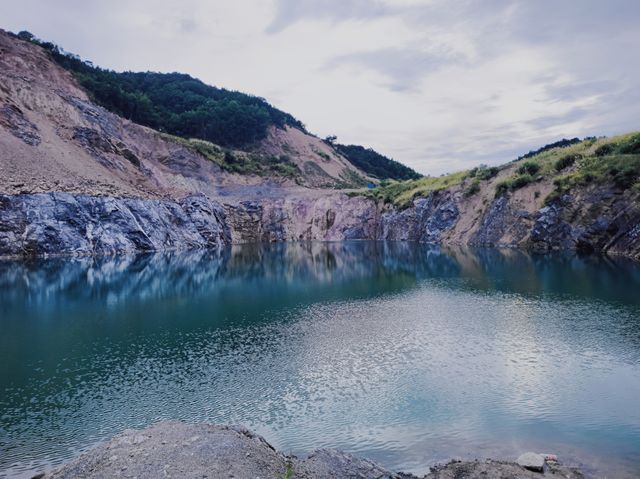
(77, 179)
(59, 223)
(63, 223)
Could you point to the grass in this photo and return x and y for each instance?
(402, 193)
(615, 161)
(351, 179)
(289, 472)
(238, 161)
(606, 160)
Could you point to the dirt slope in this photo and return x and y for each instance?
(53, 138)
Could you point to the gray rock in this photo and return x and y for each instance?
(62, 223)
(175, 449)
(531, 461)
(13, 118)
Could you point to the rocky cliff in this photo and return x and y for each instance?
(77, 179)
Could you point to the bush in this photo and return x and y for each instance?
(502, 188)
(513, 184)
(529, 167)
(566, 161)
(625, 177)
(604, 150)
(521, 181)
(472, 189)
(485, 173)
(631, 146)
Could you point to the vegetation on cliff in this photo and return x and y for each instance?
(567, 164)
(376, 164)
(241, 162)
(402, 193)
(614, 161)
(174, 103)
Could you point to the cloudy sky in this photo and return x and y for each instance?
(437, 84)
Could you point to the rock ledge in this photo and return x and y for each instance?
(175, 449)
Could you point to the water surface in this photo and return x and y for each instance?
(403, 353)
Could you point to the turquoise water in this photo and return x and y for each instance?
(406, 354)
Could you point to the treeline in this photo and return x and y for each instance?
(175, 103)
(375, 164)
(557, 144)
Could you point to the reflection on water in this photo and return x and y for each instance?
(405, 353)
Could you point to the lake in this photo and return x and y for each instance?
(407, 354)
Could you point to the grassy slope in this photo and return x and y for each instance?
(614, 161)
(241, 162)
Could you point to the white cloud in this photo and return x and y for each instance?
(437, 85)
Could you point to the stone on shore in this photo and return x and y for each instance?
(531, 461)
(176, 449)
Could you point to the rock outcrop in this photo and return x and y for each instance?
(64, 223)
(61, 223)
(174, 449)
(77, 179)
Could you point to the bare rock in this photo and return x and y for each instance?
(531, 461)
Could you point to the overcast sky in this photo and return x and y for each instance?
(439, 85)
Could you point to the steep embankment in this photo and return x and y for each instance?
(78, 179)
(585, 196)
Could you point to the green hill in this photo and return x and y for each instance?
(175, 103)
(375, 164)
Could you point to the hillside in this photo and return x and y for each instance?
(187, 108)
(556, 169)
(375, 164)
(75, 178)
(55, 138)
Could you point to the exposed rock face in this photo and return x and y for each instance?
(425, 222)
(78, 179)
(62, 223)
(54, 223)
(594, 220)
(330, 218)
(502, 225)
(174, 449)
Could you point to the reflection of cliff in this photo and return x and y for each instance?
(366, 267)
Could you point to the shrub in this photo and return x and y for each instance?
(567, 161)
(529, 167)
(604, 150)
(502, 188)
(521, 181)
(485, 173)
(472, 189)
(513, 184)
(631, 146)
(625, 177)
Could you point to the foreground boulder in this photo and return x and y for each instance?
(175, 449)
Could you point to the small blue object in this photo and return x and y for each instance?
(371, 185)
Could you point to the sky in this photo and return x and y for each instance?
(440, 85)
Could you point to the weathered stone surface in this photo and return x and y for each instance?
(497, 470)
(425, 222)
(175, 449)
(61, 223)
(531, 461)
(502, 225)
(64, 223)
(13, 118)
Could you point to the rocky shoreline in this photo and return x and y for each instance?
(176, 449)
(45, 224)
